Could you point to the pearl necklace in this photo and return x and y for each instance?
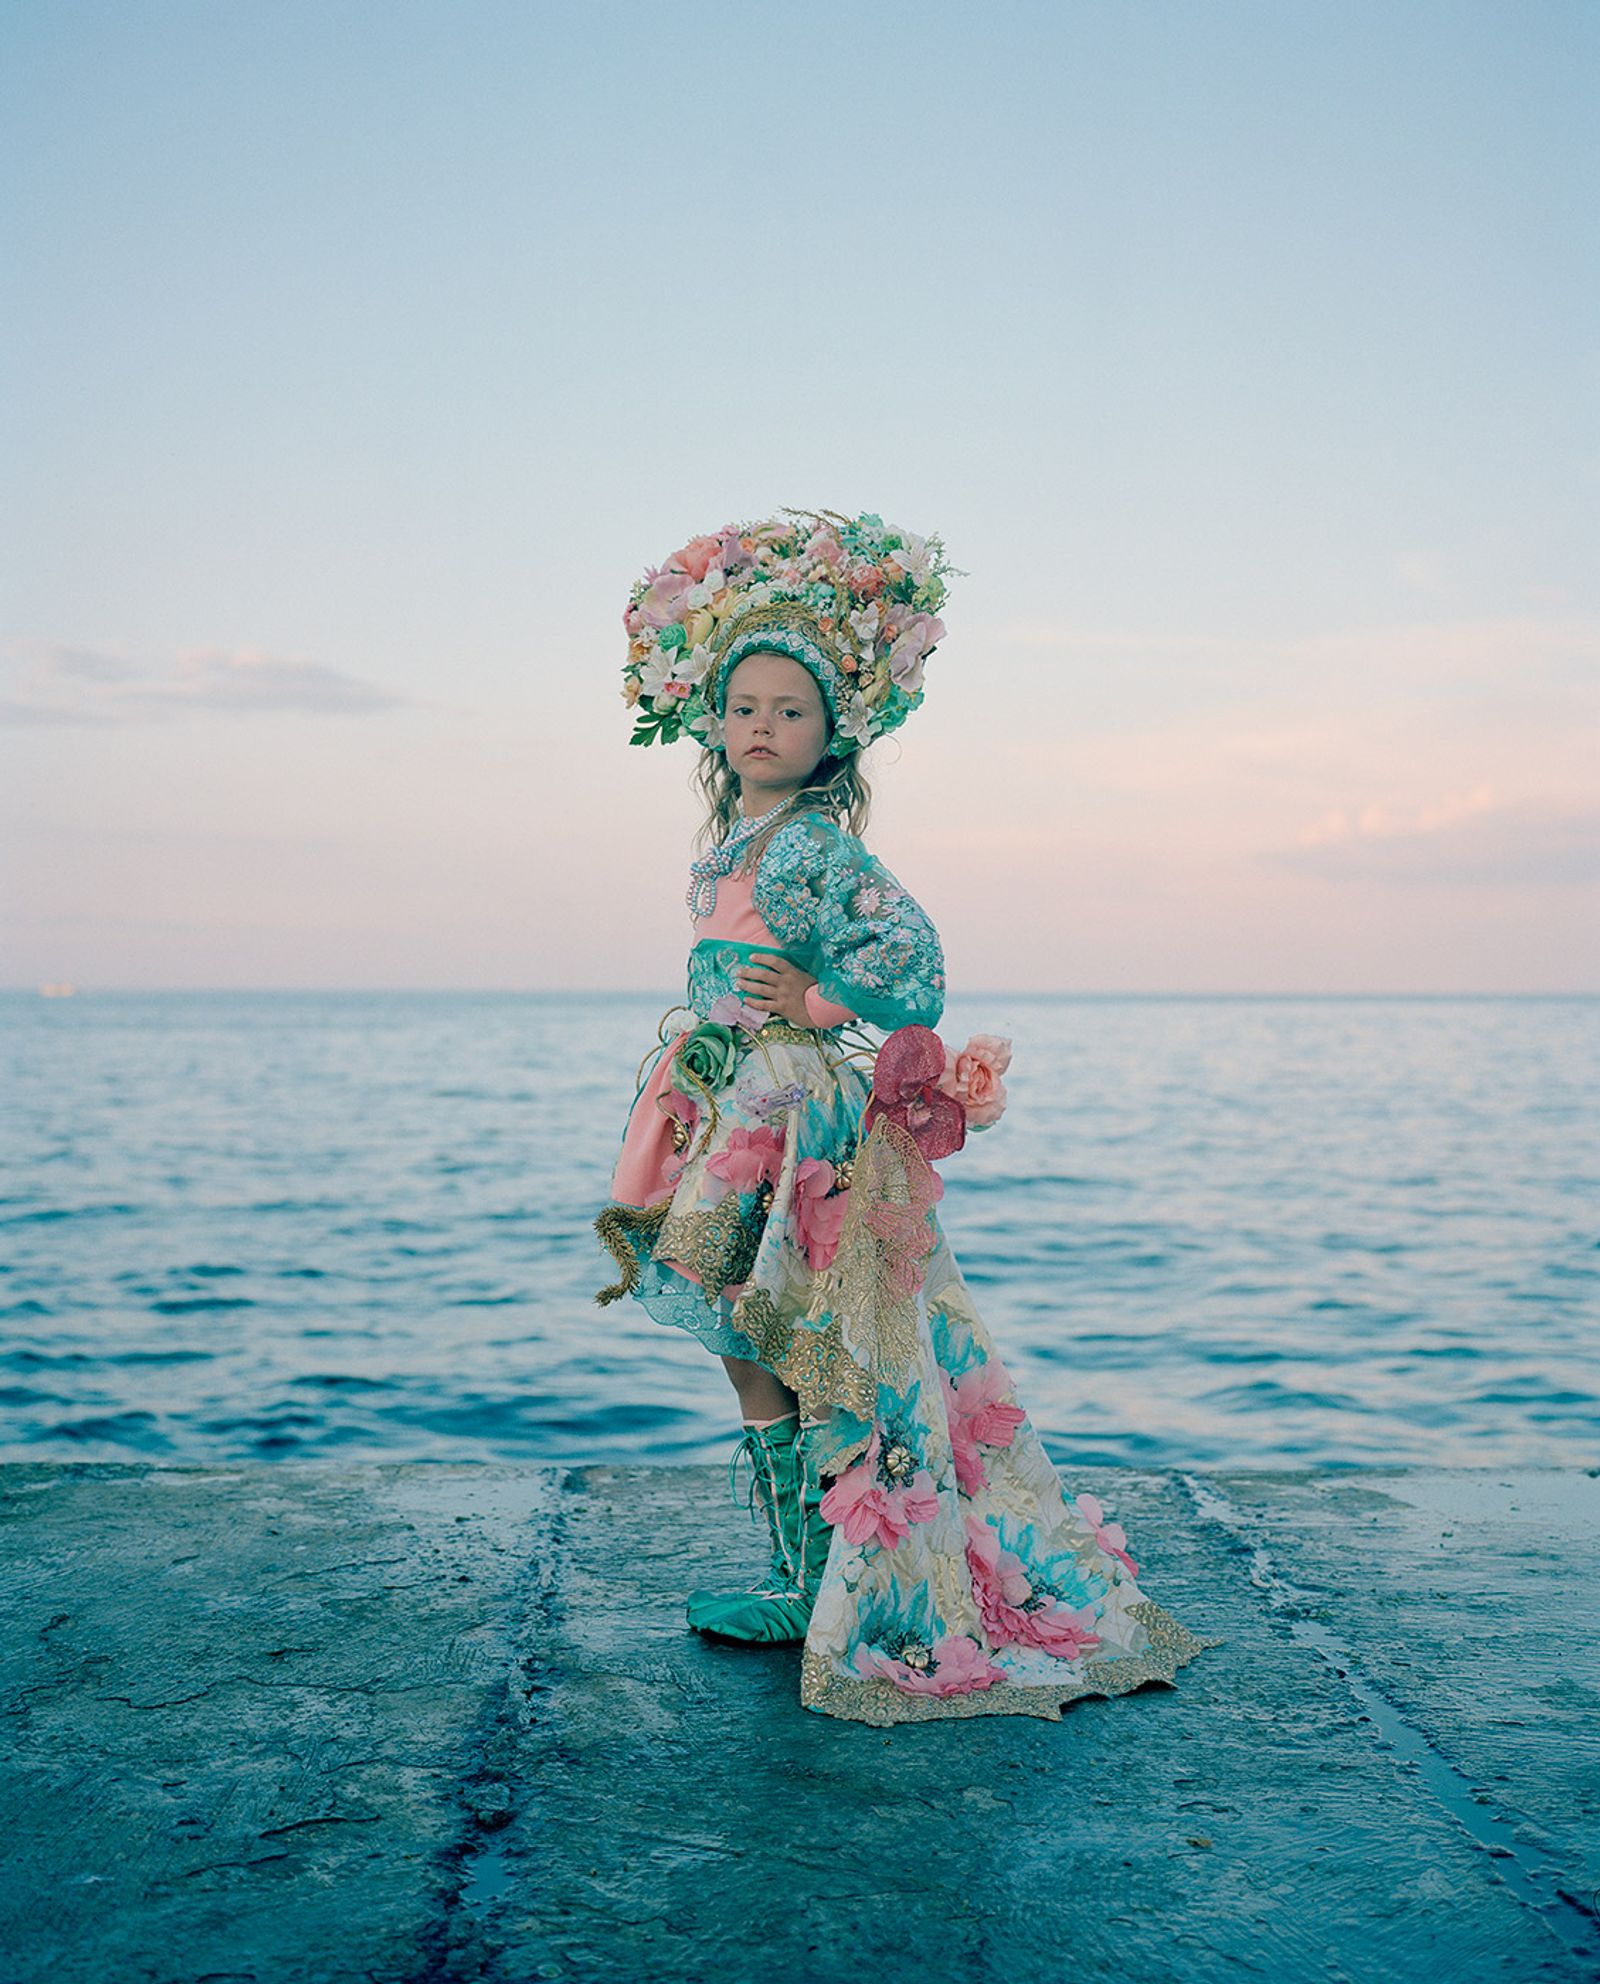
(701, 894)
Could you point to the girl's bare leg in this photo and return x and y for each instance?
(761, 1395)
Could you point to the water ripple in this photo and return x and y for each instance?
(1210, 1232)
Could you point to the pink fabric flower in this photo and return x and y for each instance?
(817, 1211)
(732, 554)
(1002, 1588)
(663, 601)
(970, 1475)
(1109, 1536)
(978, 1397)
(824, 545)
(973, 1078)
(748, 1157)
(869, 1512)
(906, 1079)
(729, 1009)
(911, 648)
(962, 1668)
(696, 556)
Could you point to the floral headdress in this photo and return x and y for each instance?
(855, 600)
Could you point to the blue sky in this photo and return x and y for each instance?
(358, 357)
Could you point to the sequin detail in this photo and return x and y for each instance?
(833, 906)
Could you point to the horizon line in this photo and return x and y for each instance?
(78, 990)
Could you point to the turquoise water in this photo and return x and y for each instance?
(1208, 1231)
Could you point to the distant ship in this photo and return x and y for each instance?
(64, 990)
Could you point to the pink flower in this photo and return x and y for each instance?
(732, 553)
(869, 1512)
(1108, 1536)
(970, 1475)
(962, 1668)
(730, 1010)
(663, 602)
(974, 1415)
(911, 648)
(1002, 1588)
(824, 545)
(973, 1078)
(906, 1087)
(748, 1157)
(696, 556)
(978, 1394)
(817, 1211)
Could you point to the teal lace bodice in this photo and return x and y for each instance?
(838, 913)
(712, 963)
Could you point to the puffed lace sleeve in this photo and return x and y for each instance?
(871, 945)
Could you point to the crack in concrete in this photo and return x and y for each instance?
(493, 1781)
(1535, 1879)
(325, 1819)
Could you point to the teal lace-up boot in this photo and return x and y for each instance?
(776, 1610)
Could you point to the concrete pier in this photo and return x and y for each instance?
(406, 1722)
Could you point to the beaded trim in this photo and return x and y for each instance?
(701, 894)
(881, 1703)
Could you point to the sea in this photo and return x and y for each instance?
(1209, 1231)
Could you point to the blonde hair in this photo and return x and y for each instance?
(836, 786)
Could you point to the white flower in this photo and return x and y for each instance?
(856, 719)
(864, 625)
(656, 672)
(673, 672)
(705, 591)
(708, 728)
(913, 556)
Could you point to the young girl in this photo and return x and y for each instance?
(775, 1190)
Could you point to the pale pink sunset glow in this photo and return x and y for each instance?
(1274, 665)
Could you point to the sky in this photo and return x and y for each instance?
(357, 358)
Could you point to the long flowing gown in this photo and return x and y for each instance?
(962, 1578)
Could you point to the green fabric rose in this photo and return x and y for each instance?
(705, 1059)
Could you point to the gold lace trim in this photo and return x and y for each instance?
(613, 1225)
(715, 1241)
(869, 1272)
(778, 1028)
(814, 1364)
(881, 1703)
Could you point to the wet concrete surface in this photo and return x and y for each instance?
(417, 1722)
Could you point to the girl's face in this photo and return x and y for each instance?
(775, 728)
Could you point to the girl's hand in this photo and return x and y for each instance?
(776, 986)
